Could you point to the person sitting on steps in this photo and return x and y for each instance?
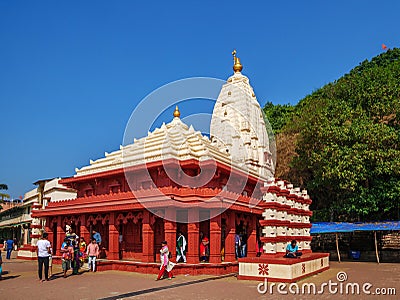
(292, 250)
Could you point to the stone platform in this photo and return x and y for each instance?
(27, 252)
(279, 269)
(153, 268)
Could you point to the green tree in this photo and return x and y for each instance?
(346, 151)
(278, 115)
(3, 195)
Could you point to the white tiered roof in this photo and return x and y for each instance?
(174, 140)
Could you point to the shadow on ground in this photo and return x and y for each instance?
(146, 291)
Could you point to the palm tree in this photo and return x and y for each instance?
(3, 195)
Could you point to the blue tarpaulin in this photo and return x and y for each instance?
(333, 227)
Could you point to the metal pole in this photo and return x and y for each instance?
(337, 246)
(376, 248)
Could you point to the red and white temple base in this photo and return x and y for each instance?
(282, 269)
(286, 218)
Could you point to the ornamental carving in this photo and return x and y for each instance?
(263, 269)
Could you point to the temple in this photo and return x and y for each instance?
(177, 180)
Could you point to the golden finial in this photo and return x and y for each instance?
(237, 66)
(177, 113)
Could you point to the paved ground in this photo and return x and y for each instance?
(21, 282)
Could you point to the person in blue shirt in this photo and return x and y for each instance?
(10, 246)
(292, 250)
(97, 237)
(238, 246)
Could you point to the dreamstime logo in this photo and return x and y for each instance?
(341, 287)
(163, 150)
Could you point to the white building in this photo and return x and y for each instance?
(31, 228)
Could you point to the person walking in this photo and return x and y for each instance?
(180, 247)
(10, 247)
(166, 265)
(43, 253)
(92, 252)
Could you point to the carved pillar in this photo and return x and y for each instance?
(48, 227)
(170, 230)
(252, 237)
(113, 244)
(192, 255)
(60, 235)
(148, 238)
(84, 232)
(230, 236)
(215, 239)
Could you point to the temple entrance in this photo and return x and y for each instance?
(204, 231)
(183, 228)
(159, 236)
(130, 240)
(204, 226)
(223, 237)
(103, 230)
(242, 230)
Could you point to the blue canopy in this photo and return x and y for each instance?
(332, 227)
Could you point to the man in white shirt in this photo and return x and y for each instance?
(180, 247)
(43, 253)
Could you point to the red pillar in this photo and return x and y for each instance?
(84, 232)
(148, 238)
(230, 236)
(170, 230)
(215, 239)
(113, 244)
(193, 236)
(60, 235)
(49, 230)
(252, 237)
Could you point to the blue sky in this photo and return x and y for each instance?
(72, 72)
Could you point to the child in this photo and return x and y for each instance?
(67, 251)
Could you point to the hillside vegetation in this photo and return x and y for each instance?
(342, 143)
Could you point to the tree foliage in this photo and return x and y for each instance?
(3, 195)
(347, 147)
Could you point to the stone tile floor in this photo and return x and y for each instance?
(20, 281)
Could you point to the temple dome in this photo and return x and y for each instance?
(238, 126)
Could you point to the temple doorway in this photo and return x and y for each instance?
(130, 240)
